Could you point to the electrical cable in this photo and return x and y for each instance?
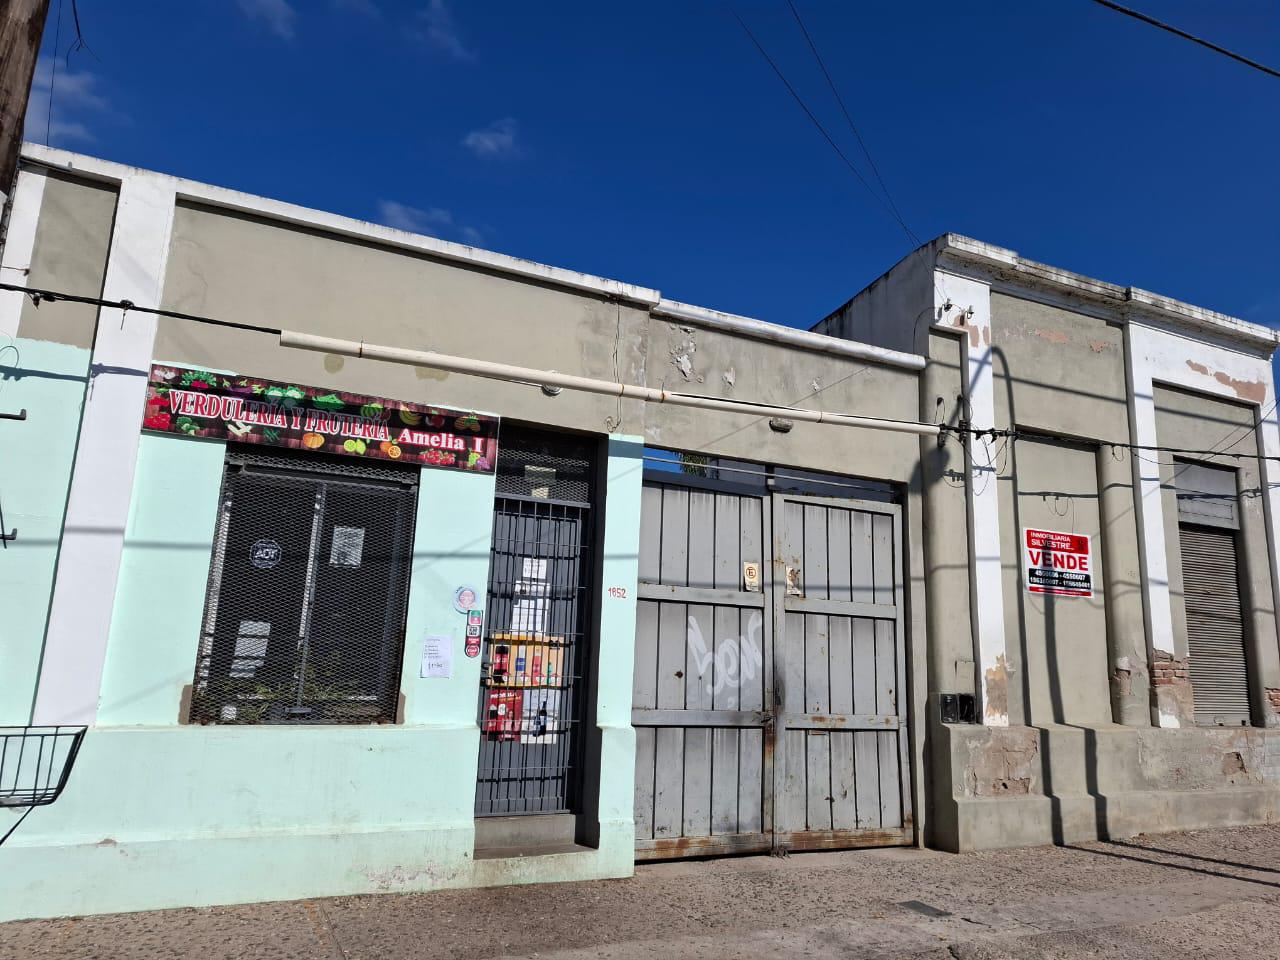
(53, 76)
(813, 47)
(40, 295)
(1187, 36)
(818, 123)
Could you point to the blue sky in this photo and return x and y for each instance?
(649, 142)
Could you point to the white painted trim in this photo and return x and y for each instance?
(971, 311)
(1159, 355)
(102, 481)
(789, 336)
(19, 246)
(1008, 266)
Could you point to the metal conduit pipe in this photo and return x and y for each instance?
(549, 378)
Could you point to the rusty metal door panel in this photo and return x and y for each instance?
(743, 744)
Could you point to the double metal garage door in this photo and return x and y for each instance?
(769, 693)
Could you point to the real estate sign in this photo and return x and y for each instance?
(1059, 564)
(200, 403)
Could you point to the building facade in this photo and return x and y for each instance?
(340, 624)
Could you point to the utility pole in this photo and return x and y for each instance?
(21, 27)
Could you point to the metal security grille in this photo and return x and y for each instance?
(1215, 626)
(532, 690)
(308, 586)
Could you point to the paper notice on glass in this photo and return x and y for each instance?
(529, 615)
(533, 568)
(437, 657)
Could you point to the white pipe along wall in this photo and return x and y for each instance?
(549, 378)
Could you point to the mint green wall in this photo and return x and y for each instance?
(450, 549)
(158, 814)
(48, 379)
(617, 646)
(155, 625)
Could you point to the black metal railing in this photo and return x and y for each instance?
(35, 763)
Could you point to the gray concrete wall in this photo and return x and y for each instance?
(1192, 421)
(236, 267)
(1061, 641)
(73, 237)
(895, 311)
(1061, 374)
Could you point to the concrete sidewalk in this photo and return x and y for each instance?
(1210, 894)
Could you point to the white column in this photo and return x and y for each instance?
(102, 481)
(971, 311)
(19, 246)
(1142, 356)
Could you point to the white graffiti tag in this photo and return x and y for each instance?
(734, 659)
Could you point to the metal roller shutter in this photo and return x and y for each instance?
(1215, 626)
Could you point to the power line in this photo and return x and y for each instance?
(39, 296)
(823, 130)
(1187, 36)
(813, 47)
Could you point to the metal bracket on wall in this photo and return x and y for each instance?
(8, 536)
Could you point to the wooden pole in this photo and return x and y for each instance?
(21, 27)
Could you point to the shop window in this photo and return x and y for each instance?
(308, 589)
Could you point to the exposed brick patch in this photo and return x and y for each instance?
(1167, 669)
(1171, 679)
(1273, 697)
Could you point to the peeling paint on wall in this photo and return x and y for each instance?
(682, 353)
(996, 691)
(730, 377)
(1255, 391)
(1100, 346)
(1004, 763)
(1053, 336)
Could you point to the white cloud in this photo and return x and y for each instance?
(276, 15)
(498, 139)
(74, 96)
(433, 221)
(439, 30)
(365, 8)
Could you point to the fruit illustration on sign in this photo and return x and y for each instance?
(371, 410)
(330, 401)
(410, 418)
(312, 441)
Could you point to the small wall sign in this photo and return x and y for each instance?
(437, 657)
(1057, 564)
(265, 554)
(472, 647)
(751, 575)
(465, 597)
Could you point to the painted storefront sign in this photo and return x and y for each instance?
(198, 403)
(1057, 564)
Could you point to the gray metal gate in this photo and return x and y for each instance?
(768, 709)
